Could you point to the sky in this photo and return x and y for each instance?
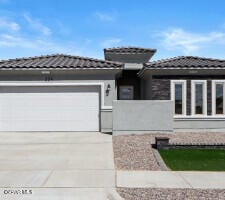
(85, 28)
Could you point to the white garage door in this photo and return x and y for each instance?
(47, 108)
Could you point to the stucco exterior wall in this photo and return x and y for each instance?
(158, 88)
(204, 125)
(106, 121)
(129, 57)
(68, 76)
(147, 88)
(142, 116)
(105, 77)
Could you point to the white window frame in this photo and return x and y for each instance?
(193, 83)
(214, 82)
(184, 95)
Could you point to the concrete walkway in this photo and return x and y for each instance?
(171, 179)
(57, 165)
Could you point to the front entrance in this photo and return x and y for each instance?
(128, 86)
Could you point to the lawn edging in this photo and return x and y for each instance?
(159, 160)
(163, 143)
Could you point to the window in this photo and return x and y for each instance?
(178, 99)
(178, 95)
(199, 97)
(219, 99)
(126, 92)
(218, 92)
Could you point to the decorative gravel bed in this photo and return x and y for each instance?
(170, 194)
(134, 152)
(198, 138)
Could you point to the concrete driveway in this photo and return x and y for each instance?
(57, 165)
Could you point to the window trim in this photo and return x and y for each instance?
(214, 82)
(193, 83)
(184, 96)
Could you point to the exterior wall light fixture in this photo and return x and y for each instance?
(108, 90)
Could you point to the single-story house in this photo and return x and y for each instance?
(124, 93)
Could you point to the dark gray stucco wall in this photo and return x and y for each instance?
(129, 57)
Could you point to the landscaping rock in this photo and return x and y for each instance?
(170, 194)
(134, 152)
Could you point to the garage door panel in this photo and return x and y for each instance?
(59, 109)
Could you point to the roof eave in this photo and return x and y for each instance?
(147, 69)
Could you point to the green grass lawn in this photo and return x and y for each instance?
(194, 159)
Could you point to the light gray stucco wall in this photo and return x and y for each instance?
(106, 121)
(160, 89)
(193, 125)
(87, 76)
(142, 116)
(133, 66)
(107, 77)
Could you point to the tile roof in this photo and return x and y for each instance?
(129, 49)
(186, 62)
(58, 61)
